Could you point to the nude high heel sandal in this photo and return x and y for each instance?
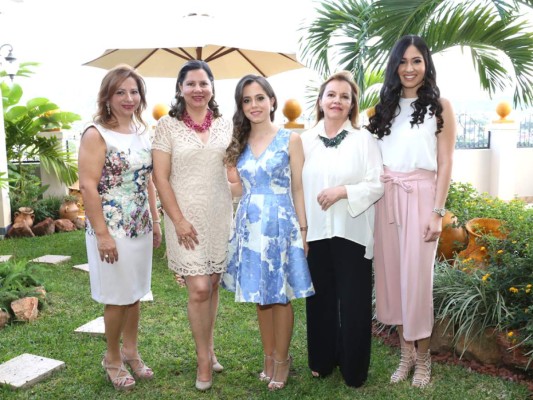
(268, 361)
(121, 379)
(281, 374)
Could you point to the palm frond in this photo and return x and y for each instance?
(494, 31)
(490, 40)
(347, 19)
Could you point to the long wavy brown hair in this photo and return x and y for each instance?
(111, 82)
(241, 124)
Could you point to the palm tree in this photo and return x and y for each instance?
(363, 31)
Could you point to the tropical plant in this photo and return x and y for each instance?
(362, 33)
(23, 125)
(24, 69)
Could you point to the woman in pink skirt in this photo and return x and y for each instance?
(416, 128)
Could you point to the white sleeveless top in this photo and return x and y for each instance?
(408, 148)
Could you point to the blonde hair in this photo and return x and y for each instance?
(345, 76)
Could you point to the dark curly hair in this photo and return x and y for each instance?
(427, 95)
(241, 124)
(178, 104)
(111, 82)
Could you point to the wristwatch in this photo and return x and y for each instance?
(440, 211)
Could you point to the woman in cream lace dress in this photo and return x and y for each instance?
(188, 149)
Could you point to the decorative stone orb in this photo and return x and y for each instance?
(503, 109)
(292, 110)
(160, 110)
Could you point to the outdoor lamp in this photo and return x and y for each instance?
(9, 62)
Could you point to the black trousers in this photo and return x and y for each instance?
(339, 315)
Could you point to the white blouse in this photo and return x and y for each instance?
(408, 148)
(356, 163)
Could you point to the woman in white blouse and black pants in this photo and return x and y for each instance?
(341, 184)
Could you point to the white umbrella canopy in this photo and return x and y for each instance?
(225, 62)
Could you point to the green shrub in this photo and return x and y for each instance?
(17, 280)
(466, 203)
(47, 207)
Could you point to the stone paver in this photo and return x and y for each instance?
(83, 267)
(95, 327)
(27, 369)
(5, 258)
(148, 296)
(51, 259)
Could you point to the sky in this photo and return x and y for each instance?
(64, 34)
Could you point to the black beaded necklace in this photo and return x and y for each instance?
(334, 142)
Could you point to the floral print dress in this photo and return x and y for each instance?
(267, 264)
(123, 190)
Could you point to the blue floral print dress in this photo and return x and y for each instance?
(267, 264)
(123, 191)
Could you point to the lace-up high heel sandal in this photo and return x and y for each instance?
(281, 374)
(407, 362)
(121, 379)
(268, 364)
(138, 367)
(422, 374)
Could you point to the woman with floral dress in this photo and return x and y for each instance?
(115, 167)
(267, 264)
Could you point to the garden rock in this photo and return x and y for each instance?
(19, 229)
(64, 225)
(510, 354)
(80, 223)
(46, 227)
(483, 348)
(441, 338)
(40, 292)
(4, 318)
(25, 309)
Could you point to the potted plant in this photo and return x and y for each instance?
(69, 209)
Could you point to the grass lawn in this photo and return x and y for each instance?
(166, 345)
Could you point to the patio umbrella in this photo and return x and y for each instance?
(225, 62)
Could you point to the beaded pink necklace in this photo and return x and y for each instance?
(187, 120)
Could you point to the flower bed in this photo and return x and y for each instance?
(500, 295)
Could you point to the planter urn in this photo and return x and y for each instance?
(69, 210)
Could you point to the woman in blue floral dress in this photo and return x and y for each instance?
(115, 167)
(267, 264)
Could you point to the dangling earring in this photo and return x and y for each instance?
(108, 108)
(272, 109)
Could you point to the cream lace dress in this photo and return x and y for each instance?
(199, 181)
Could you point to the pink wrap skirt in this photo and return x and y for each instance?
(403, 261)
